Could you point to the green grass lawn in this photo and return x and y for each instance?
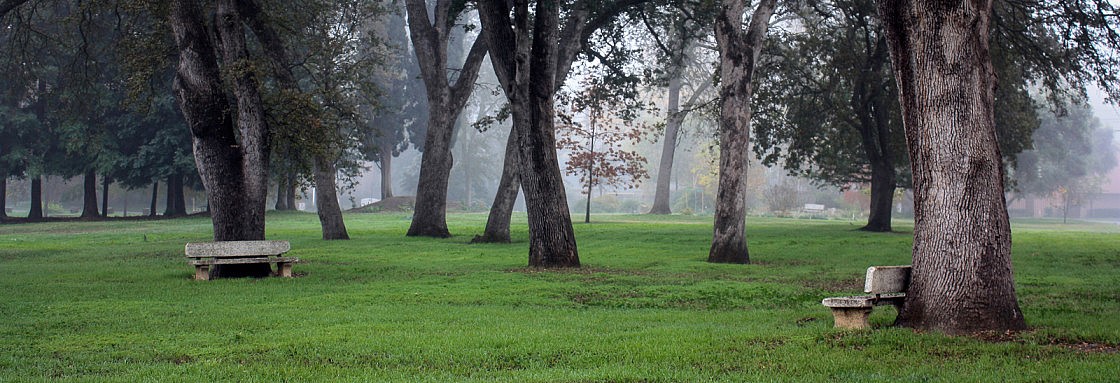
(113, 301)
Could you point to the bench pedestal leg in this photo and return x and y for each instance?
(202, 272)
(284, 269)
(854, 318)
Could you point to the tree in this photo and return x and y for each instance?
(232, 157)
(1071, 152)
(447, 95)
(394, 114)
(828, 109)
(532, 53)
(961, 280)
(676, 36)
(596, 152)
(739, 50)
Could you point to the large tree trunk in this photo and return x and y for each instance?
(661, 199)
(430, 217)
(89, 195)
(739, 51)
(529, 68)
(35, 212)
(882, 197)
(105, 182)
(234, 172)
(430, 39)
(386, 149)
(961, 280)
(155, 199)
(176, 205)
(501, 211)
(326, 201)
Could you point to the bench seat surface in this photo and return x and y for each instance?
(236, 261)
(233, 249)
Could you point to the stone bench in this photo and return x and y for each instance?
(887, 284)
(204, 255)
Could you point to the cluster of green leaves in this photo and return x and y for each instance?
(114, 301)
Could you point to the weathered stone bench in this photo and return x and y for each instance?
(205, 255)
(887, 284)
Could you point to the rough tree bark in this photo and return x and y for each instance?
(501, 211)
(446, 101)
(234, 172)
(89, 195)
(961, 280)
(35, 212)
(738, 50)
(8, 5)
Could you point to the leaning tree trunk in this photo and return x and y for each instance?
(386, 150)
(89, 195)
(155, 199)
(35, 212)
(501, 211)
(961, 280)
(326, 201)
(668, 149)
(739, 51)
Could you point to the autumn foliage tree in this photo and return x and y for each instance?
(596, 132)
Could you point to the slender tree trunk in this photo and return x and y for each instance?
(155, 199)
(961, 280)
(326, 201)
(661, 201)
(105, 182)
(36, 210)
(501, 211)
(739, 51)
(89, 195)
(386, 150)
(3, 198)
(281, 188)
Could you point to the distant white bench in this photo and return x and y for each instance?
(887, 284)
(204, 255)
(813, 208)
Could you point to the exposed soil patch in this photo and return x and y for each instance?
(388, 205)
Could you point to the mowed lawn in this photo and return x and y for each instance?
(113, 301)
